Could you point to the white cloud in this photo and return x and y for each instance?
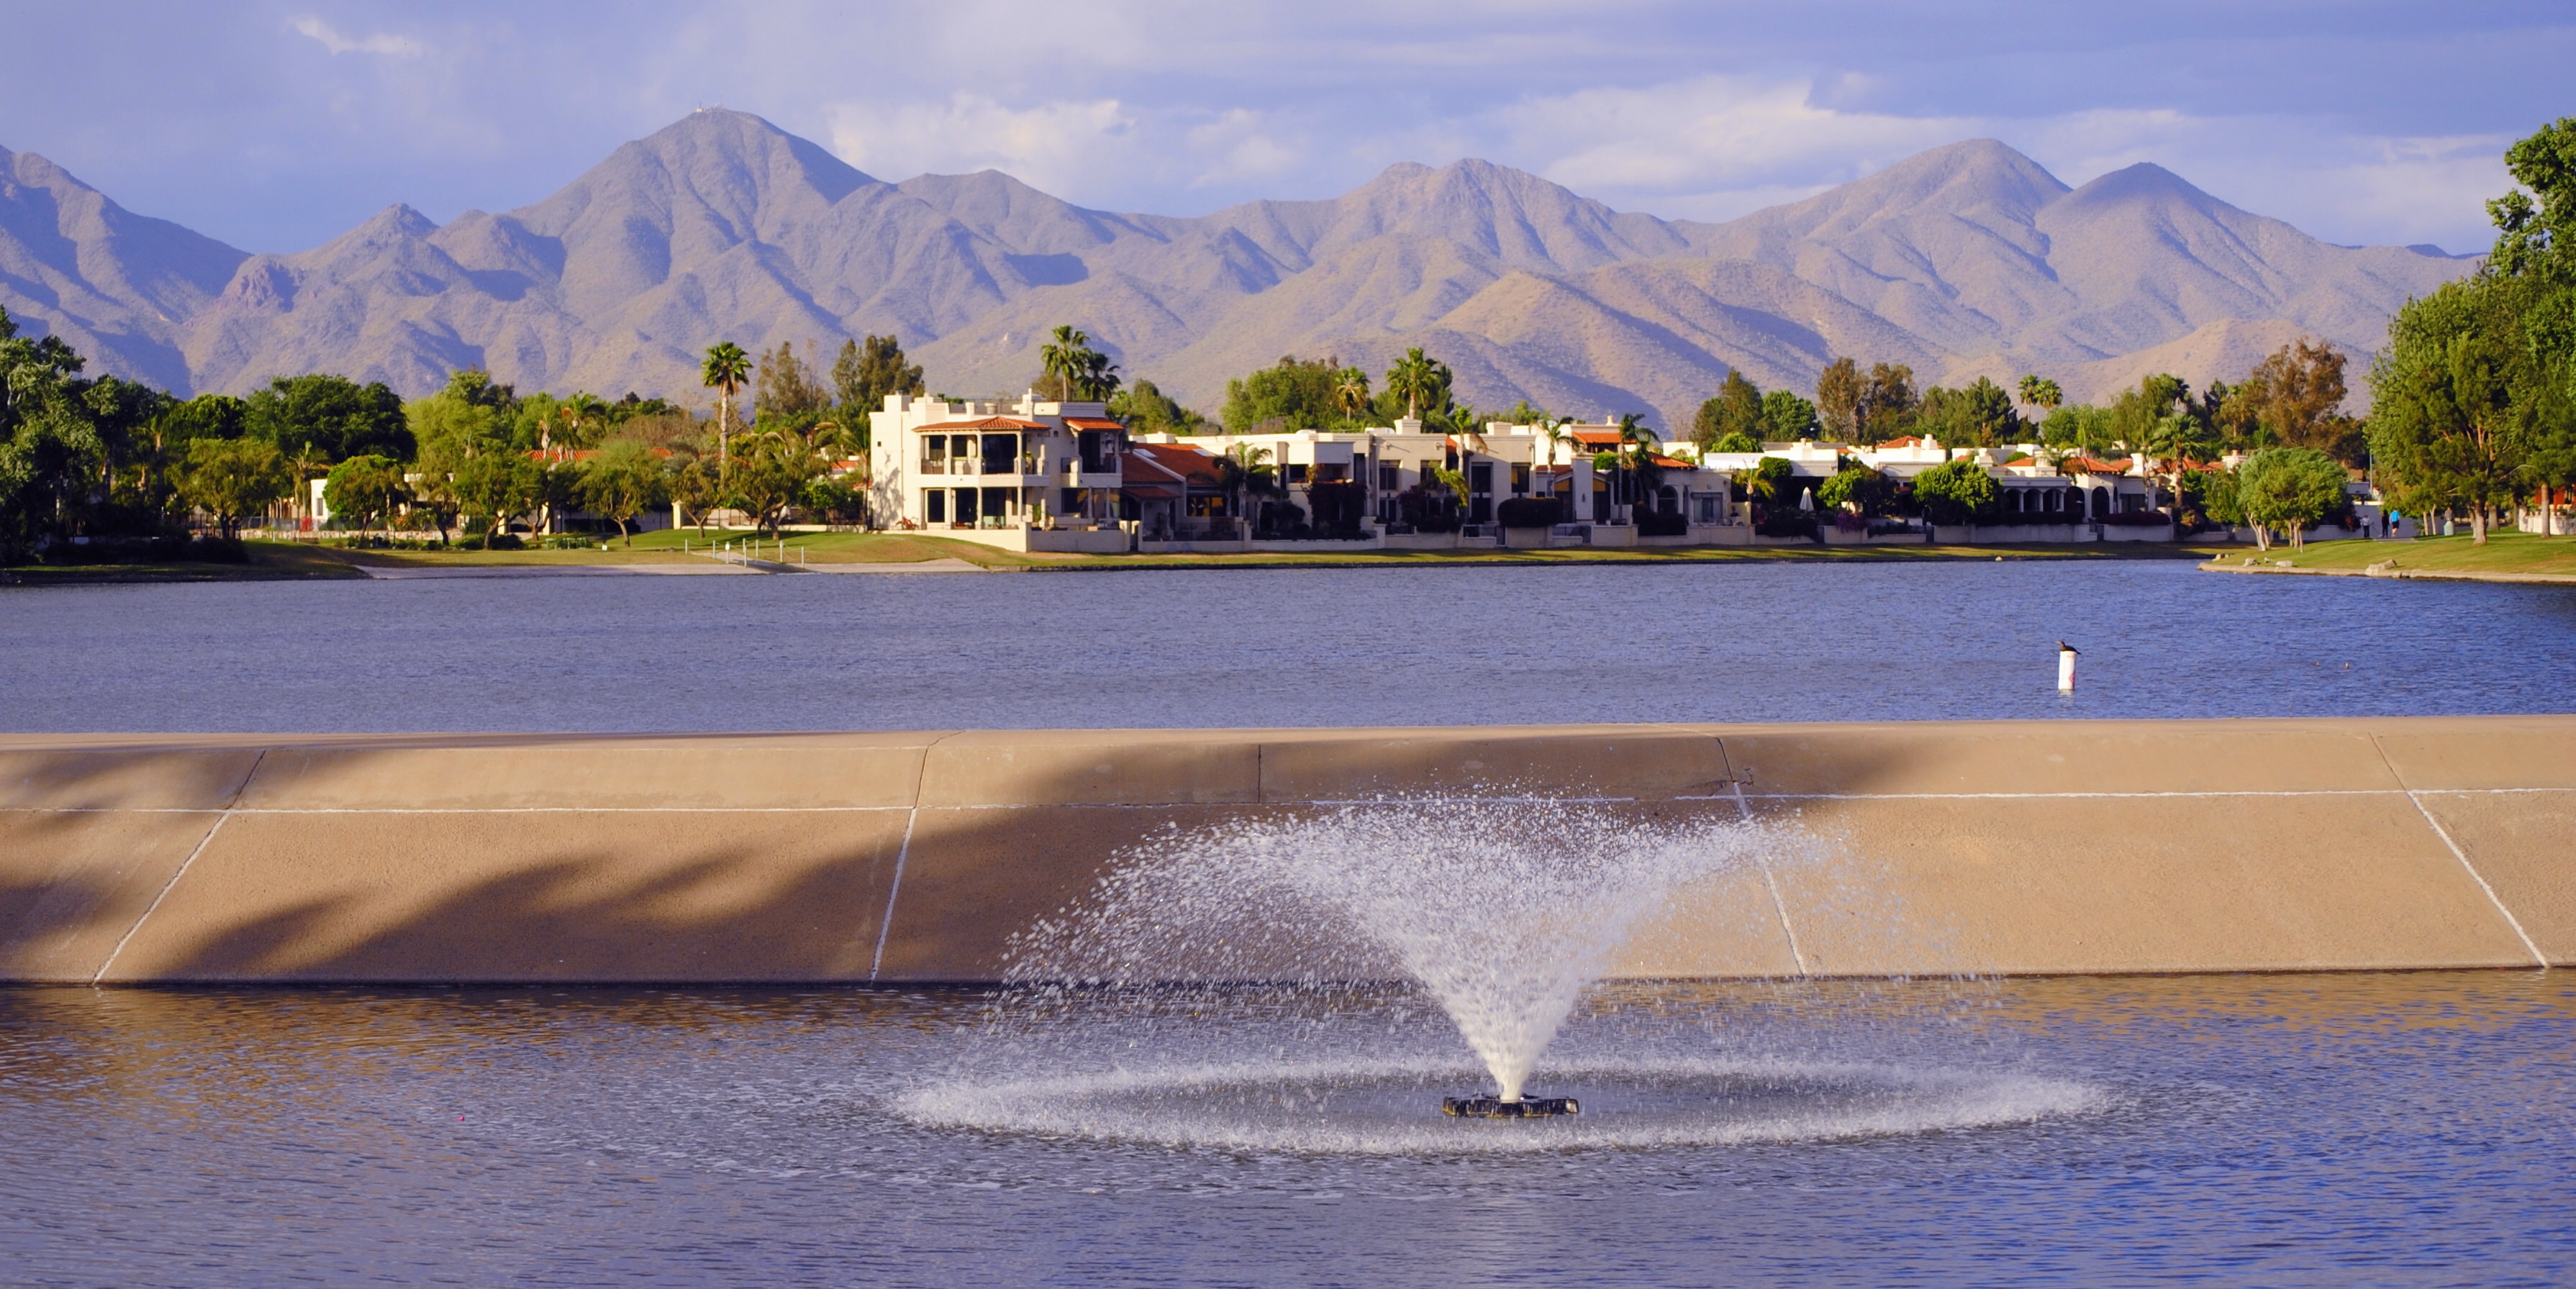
(1710, 134)
(1715, 147)
(333, 39)
(1054, 146)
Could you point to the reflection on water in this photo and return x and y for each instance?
(2388, 1129)
(1277, 647)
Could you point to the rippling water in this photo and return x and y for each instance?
(2381, 1129)
(1256, 647)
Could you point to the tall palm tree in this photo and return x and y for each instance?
(727, 369)
(1064, 359)
(1414, 378)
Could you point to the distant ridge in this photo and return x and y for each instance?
(1966, 260)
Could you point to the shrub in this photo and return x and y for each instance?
(1956, 492)
(1661, 523)
(1531, 512)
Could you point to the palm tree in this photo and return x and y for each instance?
(1351, 391)
(2041, 392)
(1641, 444)
(727, 368)
(1097, 378)
(1244, 469)
(1414, 378)
(2176, 441)
(1063, 360)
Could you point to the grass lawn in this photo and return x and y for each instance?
(269, 561)
(2503, 553)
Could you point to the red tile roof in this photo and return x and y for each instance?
(988, 423)
(2091, 465)
(1166, 463)
(1092, 423)
(1608, 438)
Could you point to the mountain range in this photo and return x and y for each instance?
(1966, 260)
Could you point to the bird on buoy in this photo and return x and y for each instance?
(2063, 647)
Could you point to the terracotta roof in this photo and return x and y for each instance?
(1909, 441)
(2091, 465)
(1608, 437)
(988, 423)
(1671, 464)
(1166, 463)
(1092, 423)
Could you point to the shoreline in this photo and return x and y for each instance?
(316, 563)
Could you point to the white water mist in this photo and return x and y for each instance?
(1502, 910)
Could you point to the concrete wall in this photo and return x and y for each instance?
(1943, 848)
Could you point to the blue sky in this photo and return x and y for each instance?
(277, 125)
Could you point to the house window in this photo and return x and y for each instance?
(934, 454)
(934, 506)
(1296, 473)
(1704, 507)
(1206, 506)
(1520, 480)
(1480, 477)
(966, 506)
(1389, 478)
(1001, 453)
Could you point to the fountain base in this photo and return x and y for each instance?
(1497, 1108)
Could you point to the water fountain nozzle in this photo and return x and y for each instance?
(1517, 1108)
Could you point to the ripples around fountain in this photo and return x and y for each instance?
(1502, 911)
(1390, 1108)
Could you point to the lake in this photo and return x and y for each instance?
(1751, 641)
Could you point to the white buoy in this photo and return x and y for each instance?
(2065, 667)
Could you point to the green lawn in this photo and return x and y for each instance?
(269, 561)
(2503, 553)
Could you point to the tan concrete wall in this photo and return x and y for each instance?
(2033, 847)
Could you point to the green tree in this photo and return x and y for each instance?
(770, 476)
(1147, 410)
(1786, 418)
(1294, 394)
(868, 370)
(2294, 397)
(623, 481)
(2286, 491)
(1863, 490)
(1736, 443)
(365, 489)
(330, 419)
(1981, 415)
(51, 451)
(234, 480)
(499, 486)
(1957, 492)
(786, 390)
(725, 370)
(2451, 395)
(1737, 409)
(1838, 398)
(1887, 403)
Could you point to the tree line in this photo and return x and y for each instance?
(115, 460)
